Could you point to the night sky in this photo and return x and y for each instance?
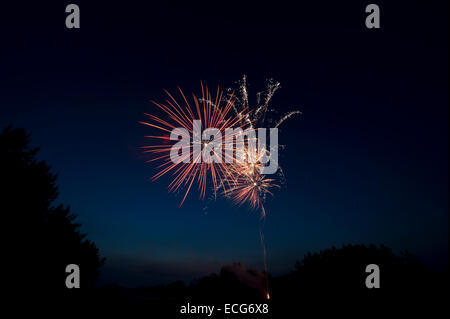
(367, 162)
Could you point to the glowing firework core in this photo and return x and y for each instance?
(237, 146)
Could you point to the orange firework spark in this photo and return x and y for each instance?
(247, 185)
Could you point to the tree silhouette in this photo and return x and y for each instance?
(234, 282)
(42, 238)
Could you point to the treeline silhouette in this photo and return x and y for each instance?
(333, 271)
(321, 284)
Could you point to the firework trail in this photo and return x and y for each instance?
(263, 244)
(242, 182)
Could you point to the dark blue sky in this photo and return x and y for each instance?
(367, 162)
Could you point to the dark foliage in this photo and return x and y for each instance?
(330, 282)
(42, 238)
(333, 281)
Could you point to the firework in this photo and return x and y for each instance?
(246, 183)
(212, 112)
(241, 181)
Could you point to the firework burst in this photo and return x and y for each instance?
(212, 112)
(247, 183)
(241, 181)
